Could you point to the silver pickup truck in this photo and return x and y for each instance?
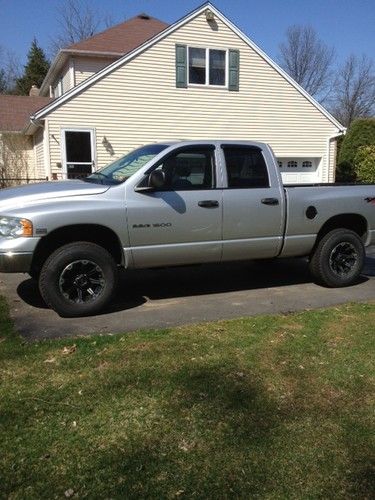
(175, 204)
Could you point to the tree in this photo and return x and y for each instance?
(307, 60)
(365, 164)
(77, 22)
(3, 82)
(35, 70)
(9, 70)
(354, 94)
(361, 133)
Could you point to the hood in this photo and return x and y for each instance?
(20, 196)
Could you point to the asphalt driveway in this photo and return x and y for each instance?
(176, 296)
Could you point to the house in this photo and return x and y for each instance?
(143, 81)
(17, 158)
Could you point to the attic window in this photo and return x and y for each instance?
(207, 66)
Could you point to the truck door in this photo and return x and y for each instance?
(181, 222)
(253, 205)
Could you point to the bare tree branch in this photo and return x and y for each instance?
(78, 21)
(354, 94)
(10, 69)
(307, 60)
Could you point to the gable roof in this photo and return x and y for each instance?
(123, 37)
(111, 43)
(15, 111)
(167, 31)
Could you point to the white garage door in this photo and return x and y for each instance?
(300, 170)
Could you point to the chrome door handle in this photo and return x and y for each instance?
(270, 201)
(208, 203)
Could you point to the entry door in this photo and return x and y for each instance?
(253, 206)
(78, 153)
(180, 223)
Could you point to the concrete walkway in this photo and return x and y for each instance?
(170, 297)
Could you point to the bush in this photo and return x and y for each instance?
(365, 164)
(361, 133)
(345, 172)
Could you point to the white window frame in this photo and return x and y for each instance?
(207, 83)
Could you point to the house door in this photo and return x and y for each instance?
(78, 153)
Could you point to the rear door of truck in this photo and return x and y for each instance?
(253, 203)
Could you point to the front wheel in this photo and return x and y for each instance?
(78, 279)
(338, 258)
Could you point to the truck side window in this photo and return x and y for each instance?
(189, 169)
(246, 167)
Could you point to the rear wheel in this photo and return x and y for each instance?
(338, 258)
(78, 279)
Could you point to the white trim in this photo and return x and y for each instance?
(71, 72)
(46, 151)
(92, 132)
(170, 29)
(207, 67)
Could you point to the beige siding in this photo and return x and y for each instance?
(139, 103)
(17, 156)
(87, 66)
(39, 154)
(67, 82)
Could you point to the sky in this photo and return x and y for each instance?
(348, 25)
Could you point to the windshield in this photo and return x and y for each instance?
(123, 168)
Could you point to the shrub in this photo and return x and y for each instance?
(361, 133)
(365, 164)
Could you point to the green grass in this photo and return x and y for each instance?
(264, 407)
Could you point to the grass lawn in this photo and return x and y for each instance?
(265, 407)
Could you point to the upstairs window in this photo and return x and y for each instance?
(292, 164)
(207, 66)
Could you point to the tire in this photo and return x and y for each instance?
(78, 279)
(338, 258)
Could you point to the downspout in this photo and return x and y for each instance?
(329, 139)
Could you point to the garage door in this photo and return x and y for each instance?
(300, 170)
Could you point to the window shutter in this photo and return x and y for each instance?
(181, 66)
(234, 70)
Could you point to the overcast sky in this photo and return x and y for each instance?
(348, 25)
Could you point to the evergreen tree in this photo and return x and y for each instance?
(35, 70)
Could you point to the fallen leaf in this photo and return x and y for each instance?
(69, 349)
(50, 360)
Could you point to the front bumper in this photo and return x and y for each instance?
(12, 262)
(16, 254)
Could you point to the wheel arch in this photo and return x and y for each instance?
(354, 222)
(93, 233)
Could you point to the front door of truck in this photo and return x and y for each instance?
(181, 222)
(253, 205)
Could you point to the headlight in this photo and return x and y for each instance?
(13, 227)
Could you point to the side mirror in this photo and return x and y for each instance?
(156, 179)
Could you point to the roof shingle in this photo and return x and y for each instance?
(123, 37)
(15, 111)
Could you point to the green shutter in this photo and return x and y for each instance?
(181, 66)
(234, 70)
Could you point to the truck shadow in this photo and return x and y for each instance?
(135, 287)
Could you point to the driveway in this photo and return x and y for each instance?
(170, 297)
